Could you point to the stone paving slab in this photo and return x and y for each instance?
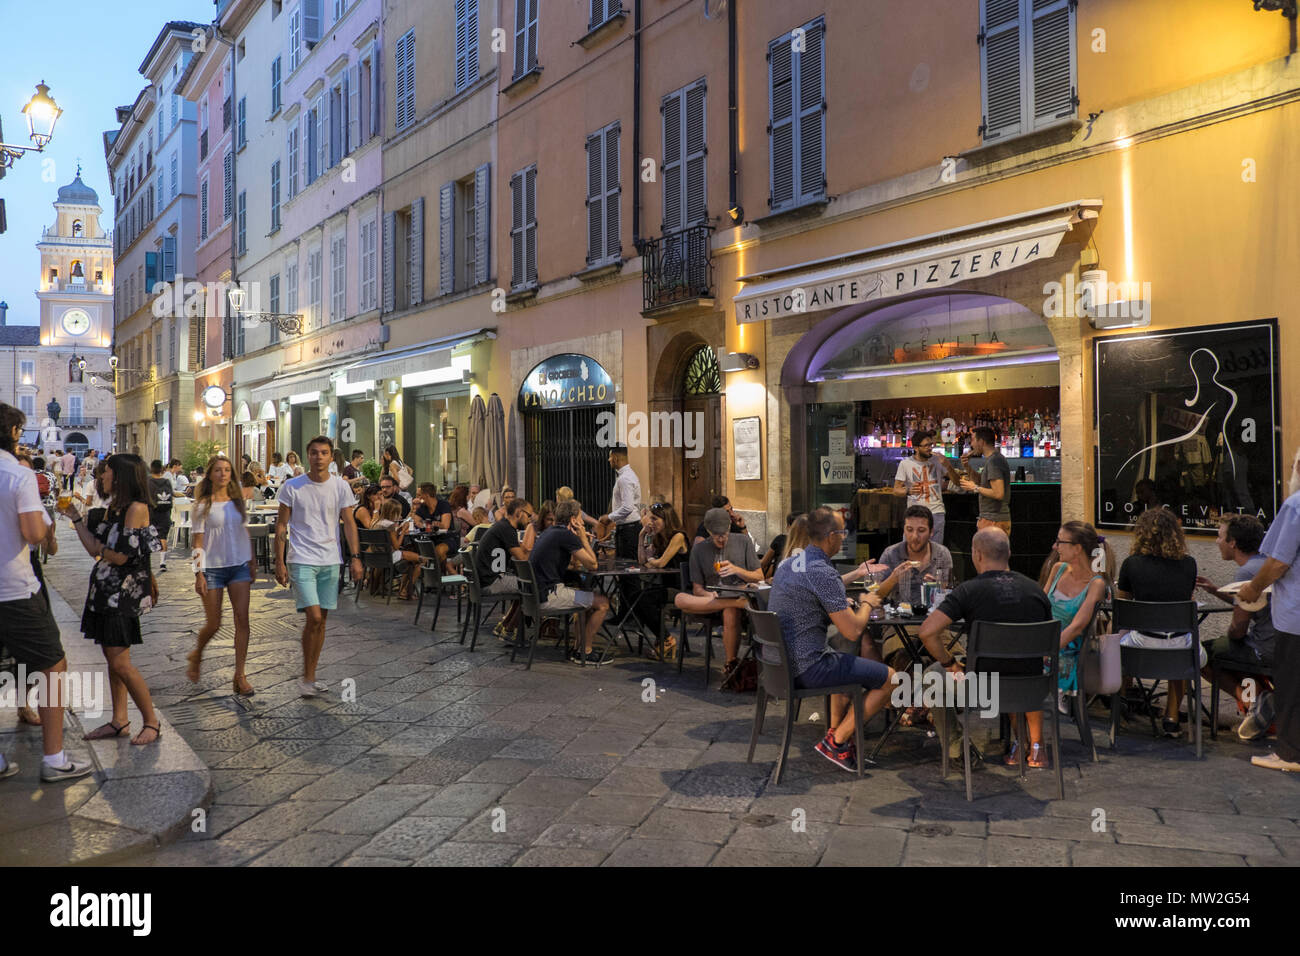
(449, 758)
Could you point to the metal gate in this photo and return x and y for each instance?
(560, 449)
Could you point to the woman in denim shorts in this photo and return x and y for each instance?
(223, 561)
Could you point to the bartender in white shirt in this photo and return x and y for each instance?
(180, 484)
(625, 505)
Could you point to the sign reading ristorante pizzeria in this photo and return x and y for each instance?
(569, 380)
(811, 293)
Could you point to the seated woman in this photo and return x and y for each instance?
(1159, 568)
(776, 550)
(247, 485)
(665, 547)
(390, 520)
(481, 524)
(367, 512)
(460, 512)
(565, 493)
(544, 519)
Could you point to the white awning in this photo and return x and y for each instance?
(426, 357)
(315, 380)
(899, 268)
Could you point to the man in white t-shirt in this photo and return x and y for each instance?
(180, 484)
(311, 507)
(921, 478)
(279, 471)
(29, 630)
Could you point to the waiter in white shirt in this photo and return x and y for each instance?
(624, 505)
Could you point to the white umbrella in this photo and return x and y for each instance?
(477, 439)
(495, 447)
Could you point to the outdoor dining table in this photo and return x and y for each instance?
(608, 573)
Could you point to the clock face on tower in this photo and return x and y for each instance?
(76, 322)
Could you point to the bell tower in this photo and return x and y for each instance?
(75, 287)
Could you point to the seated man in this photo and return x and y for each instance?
(1249, 641)
(721, 555)
(807, 597)
(390, 489)
(995, 594)
(737, 521)
(498, 547)
(565, 540)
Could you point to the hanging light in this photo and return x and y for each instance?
(42, 113)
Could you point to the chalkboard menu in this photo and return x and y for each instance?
(1188, 420)
(387, 429)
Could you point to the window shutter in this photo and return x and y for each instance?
(390, 262)
(463, 43)
(1052, 94)
(150, 271)
(812, 114)
(1002, 68)
(322, 129)
(446, 239)
(306, 129)
(595, 212)
(376, 92)
(517, 230)
(482, 223)
(672, 168)
(696, 207)
(311, 22)
(612, 197)
(530, 225)
(169, 259)
(352, 90)
(417, 252)
(203, 210)
(228, 195)
(781, 122)
(521, 38)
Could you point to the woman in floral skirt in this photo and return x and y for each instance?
(121, 586)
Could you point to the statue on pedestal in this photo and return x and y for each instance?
(53, 409)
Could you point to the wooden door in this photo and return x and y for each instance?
(701, 476)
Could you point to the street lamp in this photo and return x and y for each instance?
(42, 113)
(289, 323)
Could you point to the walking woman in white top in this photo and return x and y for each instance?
(224, 563)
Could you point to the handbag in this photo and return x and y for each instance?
(404, 477)
(743, 678)
(1100, 660)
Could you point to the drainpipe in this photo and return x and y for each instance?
(733, 137)
(637, 242)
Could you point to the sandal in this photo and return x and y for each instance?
(242, 687)
(29, 715)
(914, 717)
(1037, 756)
(144, 743)
(106, 731)
(1012, 757)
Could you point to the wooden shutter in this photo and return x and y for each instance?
(376, 91)
(595, 199)
(169, 259)
(672, 167)
(530, 224)
(521, 38)
(417, 252)
(352, 93)
(696, 139)
(517, 230)
(781, 122)
(311, 22)
(1052, 41)
(482, 222)
(390, 262)
(150, 271)
(203, 210)
(812, 113)
(323, 132)
(1001, 67)
(466, 43)
(612, 193)
(447, 239)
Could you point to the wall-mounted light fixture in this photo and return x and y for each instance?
(736, 361)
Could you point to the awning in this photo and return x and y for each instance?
(426, 357)
(314, 380)
(931, 261)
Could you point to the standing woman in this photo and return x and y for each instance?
(292, 462)
(391, 465)
(121, 585)
(226, 563)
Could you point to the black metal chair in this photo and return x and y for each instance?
(1160, 619)
(776, 681)
(476, 598)
(376, 555)
(1003, 649)
(532, 614)
(432, 579)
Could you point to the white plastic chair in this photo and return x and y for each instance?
(182, 509)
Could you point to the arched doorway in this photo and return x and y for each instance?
(701, 464)
(76, 443)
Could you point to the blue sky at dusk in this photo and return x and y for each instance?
(89, 53)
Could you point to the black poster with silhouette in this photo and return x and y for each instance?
(1187, 420)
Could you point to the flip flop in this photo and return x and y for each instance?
(113, 730)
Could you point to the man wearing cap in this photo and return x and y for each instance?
(720, 556)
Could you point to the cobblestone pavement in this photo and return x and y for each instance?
(454, 758)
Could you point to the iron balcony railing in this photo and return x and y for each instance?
(79, 422)
(677, 267)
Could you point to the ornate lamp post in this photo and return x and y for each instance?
(42, 113)
(290, 323)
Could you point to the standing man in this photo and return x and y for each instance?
(624, 505)
(311, 507)
(994, 481)
(69, 469)
(180, 484)
(1281, 548)
(921, 478)
(160, 506)
(30, 632)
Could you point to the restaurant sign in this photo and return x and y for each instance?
(568, 380)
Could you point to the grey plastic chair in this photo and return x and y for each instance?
(1034, 649)
(531, 610)
(432, 579)
(376, 555)
(1161, 619)
(476, 598)
(776, 681)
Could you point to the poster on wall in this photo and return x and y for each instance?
(1188, 420)
(387, 429)
(747, 449)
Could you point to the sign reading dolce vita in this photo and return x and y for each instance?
(568, 380)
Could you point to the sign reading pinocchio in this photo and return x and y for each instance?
(568, 380)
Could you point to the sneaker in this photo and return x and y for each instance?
(162, 568)
(591, 659)
(72, 770)
(843, 756)
(321, 686)
(1274, 762)
(1251, 728)
(307, 689)
(10, 768)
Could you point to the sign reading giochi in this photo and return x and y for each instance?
(569, 380)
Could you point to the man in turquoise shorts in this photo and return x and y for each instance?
(311, 507)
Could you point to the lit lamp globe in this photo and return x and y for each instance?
(236, 297)
(42, 113)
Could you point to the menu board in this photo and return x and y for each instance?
(747, 452)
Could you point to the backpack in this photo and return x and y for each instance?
(43, 483)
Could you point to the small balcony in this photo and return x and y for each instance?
(677, 271)
(78, 423)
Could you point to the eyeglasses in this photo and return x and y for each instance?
(658, 507)
(1059, 542)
